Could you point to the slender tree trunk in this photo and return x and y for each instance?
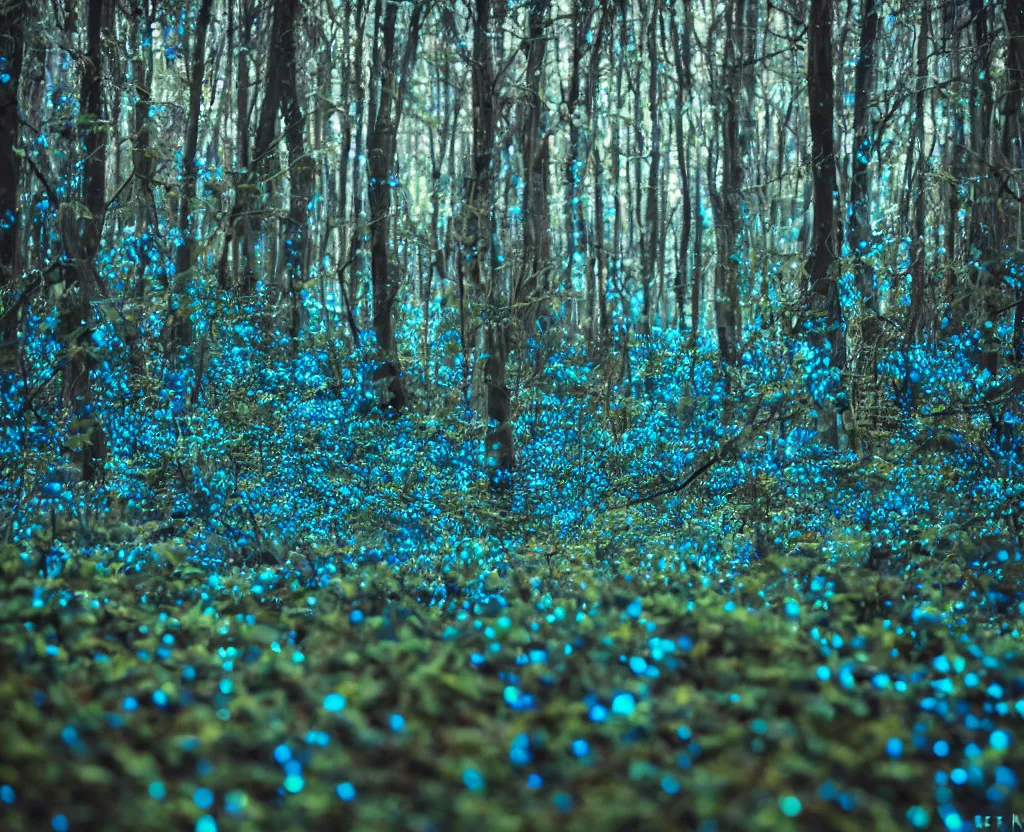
(915, 315)
(697, 287)
(302, 171)
(651, 215)
(725, 201)
(599, 318)
(241, 225)
(86, 438)
(381, 152)
(180, 317)
(1012, 143)
(12, 37)
(576, 157)
(536, 164)
(681, 57)
(860, 179)
(358, 99)
(985, 235)
(498, 443)
(824, 286)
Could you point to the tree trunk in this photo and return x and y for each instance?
(915, 315)
(1012, 142)
(12, 41)
(725, 202)
(302, 170)
(681, 57)
(860, 179)
(824, 286)
(536, 162)
(498, 445)
(381, 152)
(85, 435)
(180, 317)
(651, 214)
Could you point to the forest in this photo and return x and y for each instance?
(511, 415)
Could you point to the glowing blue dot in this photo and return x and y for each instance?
(792, 609)
(918, 817)
(59, 823)
(203, 798)
(941, 748)
(346, 791)
(356, 616)
(206, 824)
(294, 783)
(580, 748)
(623, 704)
(131, 703)
(157, 790)
(397, 722)
(599, 713)
(824, 673)
(999, 740)
(790, 806)
(958, 776)
(953, 822)
(894, 748)
(282, 754)
(637, 664)
(472, 780)
(534, 781)
(7, 794)
(1005, 776)
(334, 702)
(669, 784)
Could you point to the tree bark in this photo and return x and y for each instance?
(824, 286)
(12, 42)
(725, 201)
(86, 438)
(915, 316)
(180, 317)
(860, 179)
(381, 152)
(302, 171)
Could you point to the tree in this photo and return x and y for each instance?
(725, 199)
(12, 41)
(821, 109)
(859, 232)
(180, 316)
(82, 240)
(381, 150)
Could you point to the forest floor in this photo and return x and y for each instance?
(572, 689)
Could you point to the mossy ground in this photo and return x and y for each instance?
(573, 688)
